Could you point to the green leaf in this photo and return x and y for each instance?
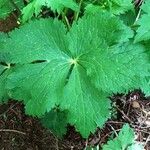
(47, 90)
(92, 9)
(115, 7)
(105, 61)
(46, 86)
(28, 12)
(42, 43)
(117, 74)
(4, 68)
(128, 18)
(136, 146)
(6, 7)
(145, 81)
(3, 38)
(145, 6)
(35, 6)
(122, 141)
(145, 85)
(71, 69)
(50, 80)
(143, 32)
(110, 31)
(5, 71)
(85, 102)
(56, 121)
(120, 6)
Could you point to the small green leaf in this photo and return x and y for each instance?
(7, 6)
(136, 146)
(128, 18)
(92, 9)
(56, 121)
(122, 141)
(143, 32)
(116, 7)
(55, 5)
(120, 6)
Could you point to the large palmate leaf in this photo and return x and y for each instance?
(7, 6)
(73, 70)
(56, 5)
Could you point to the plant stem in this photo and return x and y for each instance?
(65, 19)
(67, 22)
(10, 130)
(77, 13)
(138, 15)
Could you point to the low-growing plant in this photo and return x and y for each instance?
(7, 6)
(64, 68)
(125, 140)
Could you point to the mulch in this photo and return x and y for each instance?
(21, 132)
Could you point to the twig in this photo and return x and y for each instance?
(138, 15)
(147, 140)
(124, 115)
(114, 122)
(8, 109)
(109, 134)
(113, 130)
(129, 109)
(142, 131)
(57, 147)
(15, 131)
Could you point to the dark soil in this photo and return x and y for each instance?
(9, 23)
(21, 132)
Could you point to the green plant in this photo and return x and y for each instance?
(34, 7)
(66, 71)
(125, 140)
(7, 6)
